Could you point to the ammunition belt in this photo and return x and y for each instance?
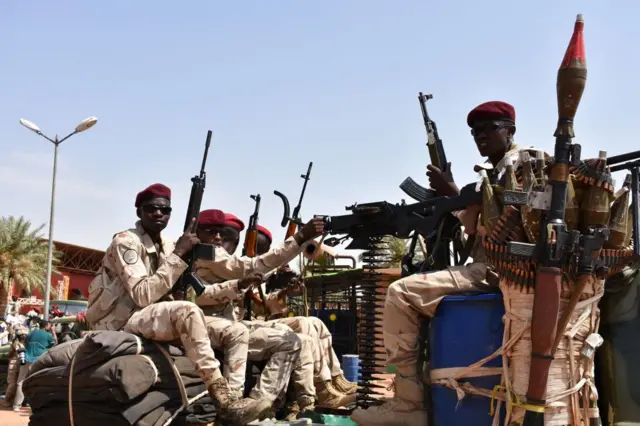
(520, 270)
(584, 174)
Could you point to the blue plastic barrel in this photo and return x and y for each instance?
(464, 330)
(350, 364)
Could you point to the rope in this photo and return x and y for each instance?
(183, 407)
(570, 376)
(70, 403)
(176, 373)
(515, 352)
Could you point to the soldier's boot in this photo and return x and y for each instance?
(306, 404)
(341, 384)
(292, 410)
(235, 411)
(329, 397)
(406, 408)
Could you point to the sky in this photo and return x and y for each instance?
(280, 84)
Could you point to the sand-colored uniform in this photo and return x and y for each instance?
(407, 300)
(130, 293)
(13, 371)
(325, 361)
(289, 355)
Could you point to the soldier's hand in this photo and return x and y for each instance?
(251, 280)
(442, 182)
(187, 241)
(312, 229)
(285, 268)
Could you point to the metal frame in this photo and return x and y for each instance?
(78, 259)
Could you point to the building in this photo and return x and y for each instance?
(77, 268)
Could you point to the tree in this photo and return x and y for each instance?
(23, 257)
(396, 249)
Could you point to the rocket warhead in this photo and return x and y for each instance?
(572, 77)
(575, 56)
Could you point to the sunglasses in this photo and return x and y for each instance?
(489, 127)
(150, 208)
(226, 233)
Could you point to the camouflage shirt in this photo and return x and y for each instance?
(221, 296)
(134, 274)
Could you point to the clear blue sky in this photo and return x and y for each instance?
(282, 83)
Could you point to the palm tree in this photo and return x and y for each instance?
(396, 247)
(23, 257)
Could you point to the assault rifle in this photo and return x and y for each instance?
(438, 245)
(250, 249)
(436, 154)
(399, 220)
(201, 251)
(294, 219)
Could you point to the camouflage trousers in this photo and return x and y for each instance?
(419, 294)
(288, 356)
(233, 338)
(170, 321)
(325, 362)
(12, 379)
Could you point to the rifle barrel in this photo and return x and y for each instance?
(621, 158)
(206, 152)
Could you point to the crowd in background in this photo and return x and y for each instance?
(29, 337)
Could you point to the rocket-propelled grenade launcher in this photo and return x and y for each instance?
(554, 234)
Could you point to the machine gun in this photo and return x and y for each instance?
(438, 245)
(399, 220)
(293, 220)
(201, 251)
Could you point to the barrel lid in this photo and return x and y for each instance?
(472, 297)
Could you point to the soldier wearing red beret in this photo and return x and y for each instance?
(229, 277)
(131, 294)
(493, 128)
(332, 388)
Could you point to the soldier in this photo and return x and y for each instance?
(130, 293)
(493, 127)
(288, 354)
(326, 364)
(17, 347)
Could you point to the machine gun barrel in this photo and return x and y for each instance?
(399, 220)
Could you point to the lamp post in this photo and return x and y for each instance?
(84, 125)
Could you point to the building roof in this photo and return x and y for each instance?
(78, 259)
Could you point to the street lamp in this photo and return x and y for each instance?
(84, 125)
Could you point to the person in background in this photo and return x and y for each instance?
(76, 294)
(37, 343)
(17, 347)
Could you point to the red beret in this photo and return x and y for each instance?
(494, 110)
(233, 221)
(211, 218)
(157, 190)
(266, 232)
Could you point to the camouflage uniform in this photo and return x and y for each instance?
(407, 300)
(326, 366)
(130, 293)
(13, 370)
(233, 338)
(288, 354)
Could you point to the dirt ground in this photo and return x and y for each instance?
(9, 418)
